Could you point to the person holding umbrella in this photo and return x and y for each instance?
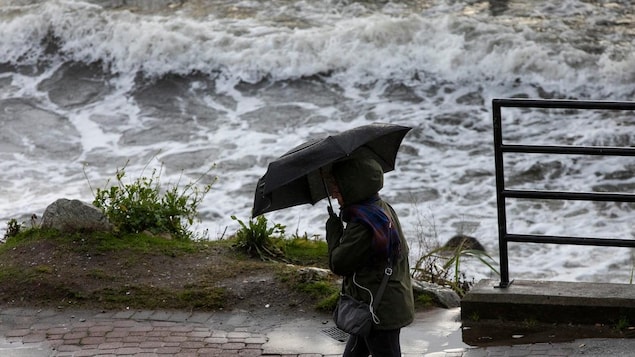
(359, 252)
(352, 164)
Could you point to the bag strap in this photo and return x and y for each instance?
(384, 282)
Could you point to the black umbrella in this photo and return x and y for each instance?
(294, 178)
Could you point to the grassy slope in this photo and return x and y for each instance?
(41, 268)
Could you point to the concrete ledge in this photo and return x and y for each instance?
(550, 301)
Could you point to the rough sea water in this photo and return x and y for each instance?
(89, 87)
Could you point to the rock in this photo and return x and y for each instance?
(466, 242)
(74, 215)
(312, 274)
(446, 297)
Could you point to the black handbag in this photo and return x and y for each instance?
(357, 317)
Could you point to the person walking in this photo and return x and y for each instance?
(360, 251)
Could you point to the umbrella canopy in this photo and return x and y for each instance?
(294, 178)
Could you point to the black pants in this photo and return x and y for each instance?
(380, 343)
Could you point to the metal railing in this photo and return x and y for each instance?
(502, 193)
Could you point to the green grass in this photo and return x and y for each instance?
(328, 303)
(305, 250)
(13, 275)
(424, 300)
(622, 324)
(99, 274)
(150, 297)
(100, 242)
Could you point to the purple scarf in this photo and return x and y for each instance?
(385, 235)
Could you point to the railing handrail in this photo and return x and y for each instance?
(563, 104)
(569, 150)
(501, 193)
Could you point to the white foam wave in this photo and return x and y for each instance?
(362, 48)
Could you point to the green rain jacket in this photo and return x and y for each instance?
(358, 180)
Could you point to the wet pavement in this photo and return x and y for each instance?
(69, 332)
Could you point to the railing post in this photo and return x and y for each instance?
(500, 199)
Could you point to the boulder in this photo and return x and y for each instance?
(466, 242)
(445, 297)
(73, 215)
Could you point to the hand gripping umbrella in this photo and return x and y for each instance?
(294, 178)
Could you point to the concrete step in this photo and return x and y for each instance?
(550, 301)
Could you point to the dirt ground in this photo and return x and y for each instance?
(46, 274)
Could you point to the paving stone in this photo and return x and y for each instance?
(151, 344)
(256, 340)
(199, 334)
(104, 314)
(17, 333)
(232, 346)
(209, 351)
(110, 345)
(93, 340)
(143, 314)
(218, 333)
(68, 348)
(173, 338)
(73, 342)
(475, 353)
(75, 335)
(158, 333)
(200, 317)
(140, 329)
(134, 338)
(179, 316)
(116, 334)
(168, 350)
(124, 323)
(192, 344)
(126, 314)
(161, 315)
(57, 330)
(253, 346)
(181, 328)
(34, 338)
(127, 350)
(101, 327)
(40, 326)
(253, 353)
(84, 324)
(240, 335)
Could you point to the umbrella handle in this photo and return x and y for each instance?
(328, 195)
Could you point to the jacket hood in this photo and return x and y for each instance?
(358, 179)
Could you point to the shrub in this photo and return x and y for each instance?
(13, 229)
(442, 265)
(142, 205)
(428, 268)
(257, 239)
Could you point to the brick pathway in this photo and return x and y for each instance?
(140, 333)
(62, 333)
